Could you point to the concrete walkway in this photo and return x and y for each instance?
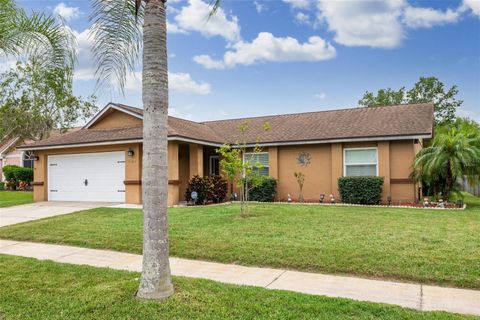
(40, 210)
(415, 296)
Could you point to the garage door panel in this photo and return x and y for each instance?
(103, 172)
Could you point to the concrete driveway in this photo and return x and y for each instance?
(40, 210)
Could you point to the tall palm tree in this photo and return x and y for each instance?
(121, 29)
(38, 35)
(454, 152)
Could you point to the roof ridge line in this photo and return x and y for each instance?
(320, 111)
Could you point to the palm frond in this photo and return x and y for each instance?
(117, 39)
(37, 35)
(215, 5)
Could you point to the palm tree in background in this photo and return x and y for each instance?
(122, 30)
(453, 153)
(37, 36)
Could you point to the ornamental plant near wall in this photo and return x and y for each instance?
(209, 189)
(360, 190)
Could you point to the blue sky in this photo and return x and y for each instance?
(272, 57)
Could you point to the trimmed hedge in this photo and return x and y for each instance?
(17, 177)
(265, 192)
(360, 190)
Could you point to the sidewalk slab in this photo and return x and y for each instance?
(403, 294)
(451, 299)
(227, 273)
(104, 259)
(39, 250)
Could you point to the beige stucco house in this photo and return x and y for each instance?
(103, 160)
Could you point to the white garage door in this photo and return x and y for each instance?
(87, 177)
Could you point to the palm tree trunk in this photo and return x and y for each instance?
(448, 181)
(155, 282)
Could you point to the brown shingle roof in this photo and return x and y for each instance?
(356, 123)
(390, 121)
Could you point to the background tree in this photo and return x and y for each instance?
(426, 89)
(121, 29)
(35, 99)
(384, 97)
(453, 153)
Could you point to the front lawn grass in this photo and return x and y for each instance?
(15, 198)
(428, 246)
(32, 289)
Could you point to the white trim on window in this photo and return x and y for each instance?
(360, 164)
(258, 153)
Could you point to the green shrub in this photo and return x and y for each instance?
(2, 185)
(360, 190)
(9, 172)
(209, 189)
(265, 191)
(14, 175)
(24, 174)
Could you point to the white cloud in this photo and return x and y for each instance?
(179, 82)
(259, 6)
(183, 82)
(298, 4)
(84, 69)
(364, 23)
(321, 95)
(473, 5)
(415, 17)
(381, 24)
(302, 18)
(209, 63)
(195, 17)
(66, 12)
(267, 47)
(173, 28)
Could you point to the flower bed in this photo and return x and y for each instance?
(449, 206)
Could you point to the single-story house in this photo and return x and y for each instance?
(103, 160)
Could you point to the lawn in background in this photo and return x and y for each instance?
(15, 198)
(32, 289)
(428, 246)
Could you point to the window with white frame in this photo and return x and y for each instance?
(259, 161)
(360, 162)
(27, 159)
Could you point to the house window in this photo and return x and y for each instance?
(27, 160)
(360, 162)
(258, 158)
(214, 167)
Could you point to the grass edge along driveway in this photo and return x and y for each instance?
(15, 198)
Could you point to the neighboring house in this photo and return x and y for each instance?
(11, 155)
(103, 161)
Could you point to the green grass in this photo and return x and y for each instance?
(14, 198)
(32, 289)
(428, 246)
